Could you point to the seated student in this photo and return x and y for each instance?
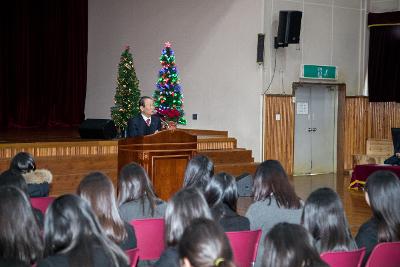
(324, 218)
(38, 180)
(198, 172)
(136, 198)
(74, 237)
(21, 242)
(290, 245)
(185, 206)
(382, 194)
(11, 178)
(221, 195)
(275, 200)
(204, 244)
(145, 123)
(98, 190)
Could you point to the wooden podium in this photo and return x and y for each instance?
(163, 155)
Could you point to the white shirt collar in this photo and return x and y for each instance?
(145, 118)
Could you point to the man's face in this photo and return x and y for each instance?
(148, 108)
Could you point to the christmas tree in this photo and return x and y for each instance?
(168, 96)
(127, 94)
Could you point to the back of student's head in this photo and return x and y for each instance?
(290, 245)
(205, 244)
(134, 184)
(72, 228)
(271, 179)
(383, 190)
(97, 189)
(14, 178)
(186, 205)
(198, 172)
(324, 217)
(23, 162)
(221, 189)
(20, 238)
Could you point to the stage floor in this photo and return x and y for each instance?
(40, 135)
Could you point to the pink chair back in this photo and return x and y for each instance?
(133, 255)
(385, 254)
(150, 237)
(244, 246)
(351, 258)
(41, 203)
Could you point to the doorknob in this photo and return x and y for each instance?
(310, 129)
(314, 129)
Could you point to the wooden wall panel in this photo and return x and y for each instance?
(383, 117)
(279, 134)
(355, 129)
(365, 120)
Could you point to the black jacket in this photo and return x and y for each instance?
(138, 127)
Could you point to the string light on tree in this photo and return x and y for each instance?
(127, 94)
(168, 96)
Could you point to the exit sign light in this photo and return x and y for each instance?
(320, 72)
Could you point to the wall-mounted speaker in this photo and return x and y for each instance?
(97, 129)
(260, 48)
(288, 28)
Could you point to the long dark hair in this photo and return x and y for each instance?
(198, 172)
(383, 189)
(271, 179)
(23, 162)
(134, 184)
(98, 190)
(205, 244)
(20, 235)
(72, 227)
(221, 189)
(290, 245)
(182, 208)
(14, 178)
(324, 217)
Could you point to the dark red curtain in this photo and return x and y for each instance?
(384, 57)
(43, 52)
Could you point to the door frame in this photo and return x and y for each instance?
(341, 87)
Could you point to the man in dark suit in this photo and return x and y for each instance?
(145, 123)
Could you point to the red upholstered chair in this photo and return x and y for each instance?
(385, 254)
(41, 203)
(244, 246)
(133, 255)
(344, 258)
(150, 237)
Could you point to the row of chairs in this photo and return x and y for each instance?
(150, 245)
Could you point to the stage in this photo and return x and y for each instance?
(63, 152)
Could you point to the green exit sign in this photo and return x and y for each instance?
(322, 72)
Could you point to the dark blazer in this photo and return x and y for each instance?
(367, 237)
(99, 258)
(138, 127)
(130, 241)
(230, 220)
(169, 258)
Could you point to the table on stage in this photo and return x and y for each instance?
(361, 173)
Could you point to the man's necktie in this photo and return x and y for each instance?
(148, 122)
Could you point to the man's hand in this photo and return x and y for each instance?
(397, 154)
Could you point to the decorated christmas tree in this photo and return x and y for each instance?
(168, 96)
(127, 94)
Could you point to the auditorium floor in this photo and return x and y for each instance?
(357, 210)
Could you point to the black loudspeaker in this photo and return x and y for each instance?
(97, 129)
(260, 48)
(288, 28)
(244, 184)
